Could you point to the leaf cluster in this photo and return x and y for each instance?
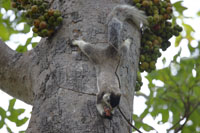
(12, 114)
(175, 90)
(9, 20)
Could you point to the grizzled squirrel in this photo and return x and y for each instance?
(106, 59)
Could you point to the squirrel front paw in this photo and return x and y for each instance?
(127, 43)
(79, 43)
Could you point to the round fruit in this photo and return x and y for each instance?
(36, 23)
(34, 8)
(43, 25)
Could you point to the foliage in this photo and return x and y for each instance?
(12, 115)
(8, 25)
(179, 94)
(178, 90)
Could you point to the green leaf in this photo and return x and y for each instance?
(198, 13)
(165, 115)
(15, 113)
(195, 116)
(3, 116)
(137, 121)
(154, 113)
(11, 104)
(21, 49)
(147, 127)
(20, 111)
(186, 130)
(5, 4)
(196, 90)
(178, 40)
(8, 129)
(27, 28)
(34, 44)
(35, 35)
(4, 32)
(28, 41)
(188, 30)
(191, 48)
(177, 55)
(146, 111)
(21, 122)
(178, 7)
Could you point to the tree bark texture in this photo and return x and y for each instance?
(15, 78)
(46, 75)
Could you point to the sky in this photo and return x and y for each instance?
(139, 102)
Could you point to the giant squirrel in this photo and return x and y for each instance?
(106, 59)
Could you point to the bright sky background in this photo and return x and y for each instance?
(139, 102)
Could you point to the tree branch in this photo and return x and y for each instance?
(175, 124)
(186, 115)
(141, 94)
(187, 118)
(15, 76)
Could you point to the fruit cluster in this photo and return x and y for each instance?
(156, 35)
(138, 82)
(158, 32)
(44, 20)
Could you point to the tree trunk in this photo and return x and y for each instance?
(56, 72)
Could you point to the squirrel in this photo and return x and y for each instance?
(106, 59)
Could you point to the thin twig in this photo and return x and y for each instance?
(128, 120)
(187, 118)
(141, 94)
(92, 94)
(186, 115)
(175, 124)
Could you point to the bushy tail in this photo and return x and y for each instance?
(124, 12)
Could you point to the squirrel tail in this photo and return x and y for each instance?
(124, 12)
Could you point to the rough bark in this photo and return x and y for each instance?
(37, 73)
(15, 78)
